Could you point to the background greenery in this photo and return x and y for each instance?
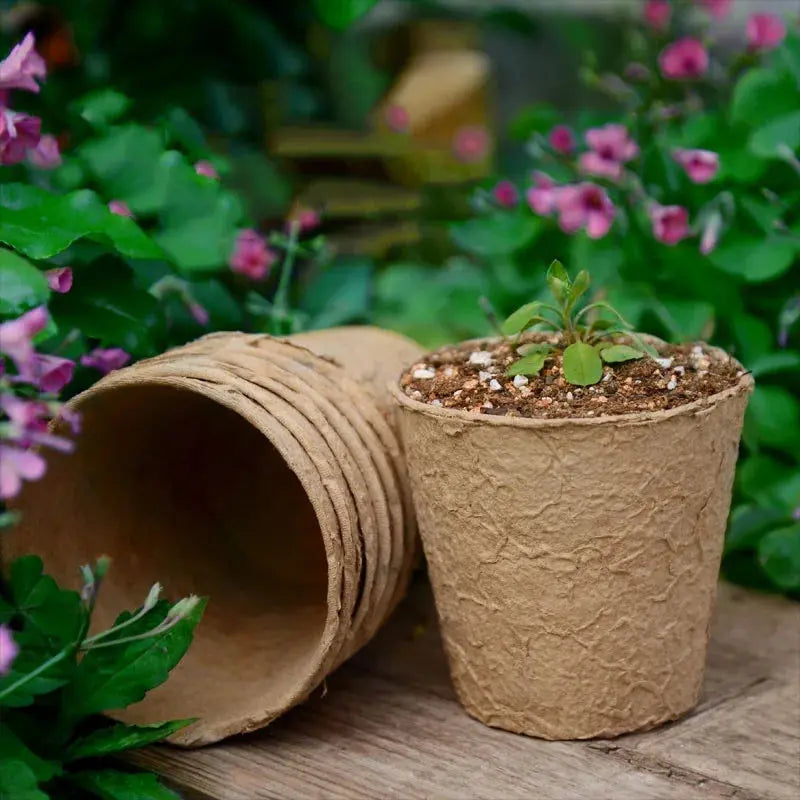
(210, 79)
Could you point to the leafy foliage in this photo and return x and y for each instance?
(52, 740)
(741, 296)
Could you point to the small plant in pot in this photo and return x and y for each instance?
(572, 482)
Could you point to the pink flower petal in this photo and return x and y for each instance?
(59, 279)
(684, 59)
(701, 165)
(106, 359)
(206, 168)
(120, 208)
(657, 14)
(765, 31)
(46, 154)
(505, 194)
(251, 256)
(562, 139)
(22, 66)
(8, 647)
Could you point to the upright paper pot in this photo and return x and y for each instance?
(263, 473)
(574, 561)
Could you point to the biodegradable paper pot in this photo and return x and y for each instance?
(574, 561)
(257, 472)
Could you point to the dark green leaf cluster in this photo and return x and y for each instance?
(53, 741)
(584, 341)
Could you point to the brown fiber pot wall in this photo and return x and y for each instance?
(574, 562)
(263, 473)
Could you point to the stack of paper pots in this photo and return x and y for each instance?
(574, 561)
(263, 473)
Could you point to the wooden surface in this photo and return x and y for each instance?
(387, 725)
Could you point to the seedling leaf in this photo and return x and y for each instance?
(520, 319)
(615, 353)
(530, 364)
(582, 364)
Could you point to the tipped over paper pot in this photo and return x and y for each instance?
(263, 473)
(574, 561)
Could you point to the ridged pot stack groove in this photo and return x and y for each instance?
(265, 473)
(574, 562)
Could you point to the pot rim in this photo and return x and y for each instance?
(697, 407)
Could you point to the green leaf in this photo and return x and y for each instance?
(106, 304)
(57, 614)
(782, 132)
(111, 678)
(498, 234)
(779, 556)
(762, 94)
(40, 224)
(339, 293)
(536, 118)
(102, 107)
(685, 320)
(616, 353)
(748, 524)
(579, 286)
(119, 737)
(754, 259)
(530, 364)
(12, 747)
(126, 162)
(340, 14)
(770, 363)
(558, 280)
(774, 413)
(22, 285)
(52, 619)
(521, 319)
(582, 364)
(18, 782)
(109, 784)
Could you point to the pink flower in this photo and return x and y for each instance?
(471, 144)
(610, 149)
(306, 219)
(198, 312)
(16, 335)
(106, 360)
(17, 465)
(765, 31)
(52, 373)
(18, 134)
(45, 154)
(120, 208)
(8, 650)
(60, 279)
(542, 195)
(718, 9)
(396, 119)
(670, 223)
(684, 59)
(206, 168)
(585, 205)
(22, 66)
(562, 139)
(710, 235)
(251, 256)
(701, 165)
(657, 14)
(505, 194)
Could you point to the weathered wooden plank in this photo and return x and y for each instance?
(752, 741)
(373, 738)
(389, 726)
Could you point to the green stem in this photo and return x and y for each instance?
(160, 628)
(102, 635)
(281, 302)
(43, 667)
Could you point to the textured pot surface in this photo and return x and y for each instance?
(574, 562)
(263, 473)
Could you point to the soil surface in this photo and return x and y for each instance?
(471, 377)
